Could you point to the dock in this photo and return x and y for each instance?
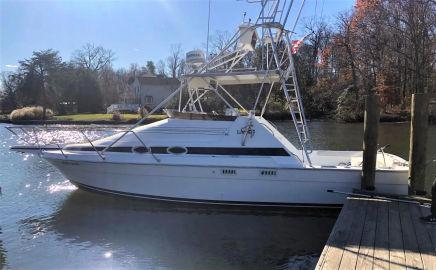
(380, 234)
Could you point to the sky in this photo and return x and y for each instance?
(135, 30)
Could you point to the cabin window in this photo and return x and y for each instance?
(177, 150)
(140, 149)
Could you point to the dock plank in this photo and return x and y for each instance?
(411, 250)
(349, 258)
(365, 257)
(397, 258)
(332, 254)
(380, 234)
(425, 245)
(425, 211)
(381, 245)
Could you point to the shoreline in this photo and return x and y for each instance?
(149, 121)
(74, 122)
(276, 117)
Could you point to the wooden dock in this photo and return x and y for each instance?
(380, 234)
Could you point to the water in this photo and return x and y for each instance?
(46, 223)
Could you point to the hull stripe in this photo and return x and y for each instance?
(231, 151)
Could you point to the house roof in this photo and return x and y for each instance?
(158, 80)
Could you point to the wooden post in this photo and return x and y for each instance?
(370, 134)
(433, 199)
(418, 143)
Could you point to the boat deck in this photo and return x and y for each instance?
(379, 234)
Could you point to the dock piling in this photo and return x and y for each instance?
(433, 199)
(418, 143)
(370, 134)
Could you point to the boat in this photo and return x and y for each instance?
(234, 156)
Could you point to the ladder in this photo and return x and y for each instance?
(289, 84)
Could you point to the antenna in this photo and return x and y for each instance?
(207, 38)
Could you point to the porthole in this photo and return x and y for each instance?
(177, 150)
(140, 150)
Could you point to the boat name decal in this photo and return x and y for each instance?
(244, 130)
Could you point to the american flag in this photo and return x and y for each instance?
(297, 43)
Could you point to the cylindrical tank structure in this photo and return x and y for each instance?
(195, 58)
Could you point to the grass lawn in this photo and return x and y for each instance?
(102, 117)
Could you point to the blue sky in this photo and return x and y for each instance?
(136, 31)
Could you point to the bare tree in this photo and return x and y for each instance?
(174, 61)
(160, 67)
(134, 70)
(112, 86)
(93, 58)
(344, 40)
(319, 39)
(413, 22)
(219, 41)
(181, 69)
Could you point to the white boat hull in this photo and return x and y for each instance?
(217, 184)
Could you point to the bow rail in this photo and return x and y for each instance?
(47, 137)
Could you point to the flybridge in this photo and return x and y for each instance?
(270, 41)
(228, 67)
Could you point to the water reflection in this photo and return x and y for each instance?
(2, 253)
(138, 233)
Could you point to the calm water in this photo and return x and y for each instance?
(46, 223)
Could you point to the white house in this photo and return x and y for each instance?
(150, 90)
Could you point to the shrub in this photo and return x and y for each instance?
(30, 113)
(116, 116)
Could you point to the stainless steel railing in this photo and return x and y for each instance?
(34, 139)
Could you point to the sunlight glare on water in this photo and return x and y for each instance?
(62, 134)
(61, 186)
